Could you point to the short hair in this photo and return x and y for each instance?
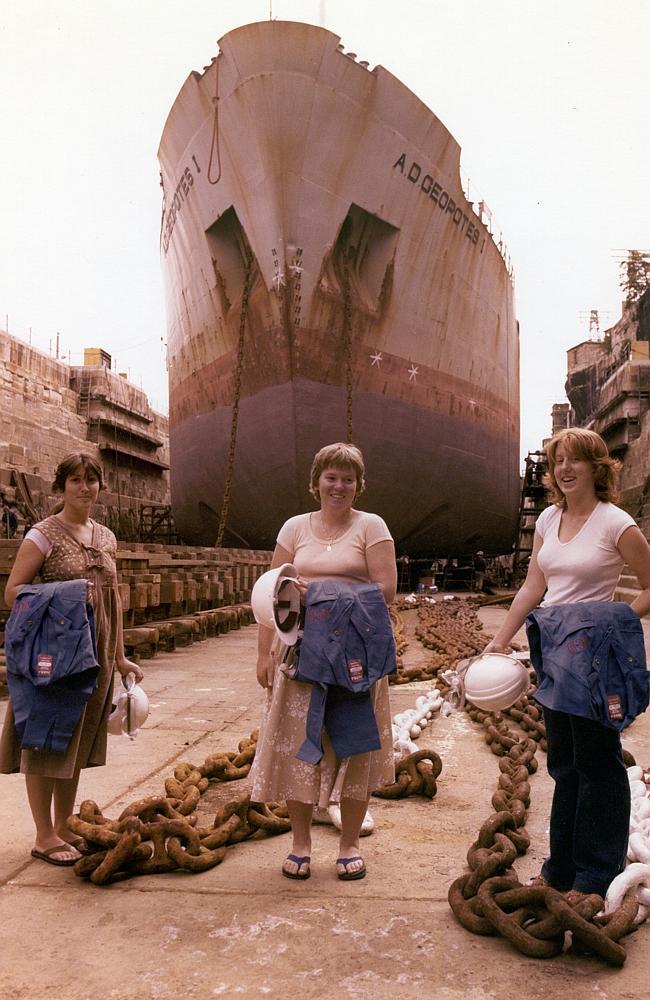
(587, 446)
(337, 456)
(68, 465)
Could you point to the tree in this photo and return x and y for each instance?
(635, 274)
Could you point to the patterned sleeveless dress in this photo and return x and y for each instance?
(69, 559)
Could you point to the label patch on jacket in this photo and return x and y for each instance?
(355, 669)
(314, 614)
(43, 665)
(614, 706)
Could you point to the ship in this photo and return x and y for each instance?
(327, 279)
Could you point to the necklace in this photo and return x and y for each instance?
(332, 537)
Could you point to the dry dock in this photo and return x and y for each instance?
(241, 930)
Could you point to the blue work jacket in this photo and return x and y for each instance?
(346, 646)
(52, 664)
(590, 660)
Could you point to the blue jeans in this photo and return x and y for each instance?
(590, 816)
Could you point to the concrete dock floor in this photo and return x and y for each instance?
(241, 929)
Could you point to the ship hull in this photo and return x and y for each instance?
(326, 277)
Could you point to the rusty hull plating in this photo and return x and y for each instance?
(372, 279)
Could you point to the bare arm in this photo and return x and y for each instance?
(634, 548)
(382, 568)
(123, 665)
(527, 597)
(265, 662)
(29, 560)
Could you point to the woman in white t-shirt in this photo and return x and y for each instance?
(581, 543)
(335, 542)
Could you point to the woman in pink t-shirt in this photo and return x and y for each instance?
(335, 542)
(581, 543)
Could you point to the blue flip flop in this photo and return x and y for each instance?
(299, 876)
(347, 876)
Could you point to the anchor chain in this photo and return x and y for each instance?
(414, 775)
(215, 143)
(347, 342)
(450, 629)
(162, 834)
(225, 507)
(490, 899)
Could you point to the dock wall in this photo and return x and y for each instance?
(171, 595)
(49, 409)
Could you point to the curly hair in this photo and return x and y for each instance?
(337, 456)
(586, 446)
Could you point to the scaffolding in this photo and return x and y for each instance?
(156, 524)
(532, 502)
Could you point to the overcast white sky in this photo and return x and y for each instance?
(547, 98)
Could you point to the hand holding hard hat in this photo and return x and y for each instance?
(275, 600)
(130, 709)
(494, 681)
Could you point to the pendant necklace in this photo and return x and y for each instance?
(333, 538)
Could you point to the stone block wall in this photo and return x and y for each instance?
(44, 417)
(39, 423)
(634, 483)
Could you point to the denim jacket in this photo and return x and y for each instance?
(347, 645)
(52, 662)
(590, 661)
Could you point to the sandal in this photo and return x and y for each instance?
(301, 862)
(349, 876)
(78, 843)
(50, 856)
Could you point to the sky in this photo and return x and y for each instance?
(547, 98)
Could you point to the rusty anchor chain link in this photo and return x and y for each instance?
(451, 631)
(347, 342)
(490, 899)
(414, 775)
(239, 368)
(162, 834)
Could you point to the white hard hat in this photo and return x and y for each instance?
(275, 600)
(130, 709)
(494, 681)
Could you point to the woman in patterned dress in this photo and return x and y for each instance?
(353, 546)
(69, 545)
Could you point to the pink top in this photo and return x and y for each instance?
(315, 558)
(587, 567)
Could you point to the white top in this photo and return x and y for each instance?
(343, 559)
(39, 539)
(586, 568)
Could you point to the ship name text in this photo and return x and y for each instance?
(435, 191)
(183, 188)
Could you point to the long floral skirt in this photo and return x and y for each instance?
(276, 775)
